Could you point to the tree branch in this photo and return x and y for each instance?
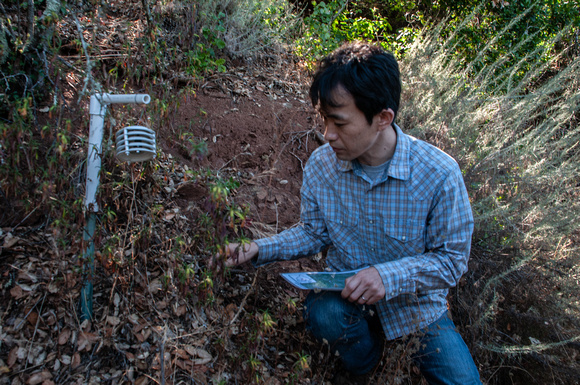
(336, 15)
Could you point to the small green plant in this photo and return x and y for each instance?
(267, 323)
(196, 148)
(254, 365)
(301, 367)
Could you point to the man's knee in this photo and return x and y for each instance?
(326, 316)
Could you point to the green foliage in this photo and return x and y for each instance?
(203, 58)
(320, 37)
(524, 32)
(25, 44)
(332, 23)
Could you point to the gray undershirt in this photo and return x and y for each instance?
(375, 172)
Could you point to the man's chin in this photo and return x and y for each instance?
(344, 157)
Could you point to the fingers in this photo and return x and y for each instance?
(242, 254)
(365, 287)
(234, 254)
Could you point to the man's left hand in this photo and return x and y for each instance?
(365, 287)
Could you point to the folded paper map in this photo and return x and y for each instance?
(321, 280)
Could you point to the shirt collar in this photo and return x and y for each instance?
(399, 168)
(400, 162)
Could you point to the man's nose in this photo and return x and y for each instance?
(329, 133)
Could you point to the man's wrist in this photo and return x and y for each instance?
(254, 249)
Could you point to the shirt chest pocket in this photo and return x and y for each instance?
(406, 237)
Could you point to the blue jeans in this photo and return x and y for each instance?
(354, 332)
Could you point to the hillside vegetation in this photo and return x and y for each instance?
(494, 84)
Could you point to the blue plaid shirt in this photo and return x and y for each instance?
(413, 224)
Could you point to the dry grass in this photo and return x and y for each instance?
(250, 29)
(518, 143)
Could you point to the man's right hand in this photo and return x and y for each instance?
(237, 254)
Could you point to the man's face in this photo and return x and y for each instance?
(349, 133)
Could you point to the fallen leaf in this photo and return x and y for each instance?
(168, 217)
(26, 276)
(32, 318)
(52, 288)
(16, 292)
(262, 194)
(21, 353)
(26, 287)
(64, 336)
(144, 335)
(180, 310)
(203, 357)
(12, 356)
(231, 310)
(10, 240)
(113, 321)
(85, 341)
(76, 360)
(39, 357)
(155, 286)
(39, 377)
(65, 359)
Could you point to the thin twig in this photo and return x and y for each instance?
(27, 314)
(245, 298)
(300, 160)
(336, 15)
(162, 356)
(22, 221)
(35, 329)
(88, 77)
(234, 158)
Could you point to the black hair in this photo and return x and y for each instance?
(369, 73)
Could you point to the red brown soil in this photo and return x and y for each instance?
(263, 142)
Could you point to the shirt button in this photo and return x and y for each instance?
(372, 249)
(371, 222)
(404, 237)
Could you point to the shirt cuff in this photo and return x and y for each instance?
(267, 250)
(397, 278)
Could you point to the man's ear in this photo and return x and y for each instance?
(386, 117)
